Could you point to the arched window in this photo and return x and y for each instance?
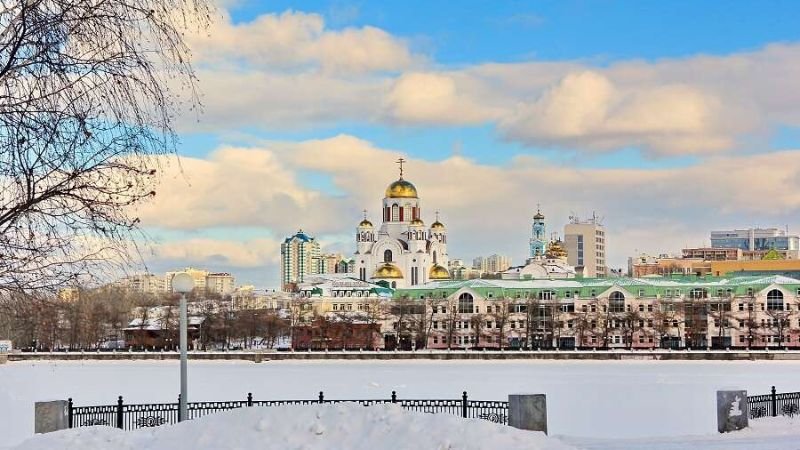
(616, 302)
(465, 303)
(387, 256)
(434, 257)
(394, 284)
(774, 300)
(395, 213)
(698, 293)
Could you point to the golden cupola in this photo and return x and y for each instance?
(555, 250)
(388, 270)
(438, 272)
(401, 189)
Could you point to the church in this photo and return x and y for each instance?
(402, 252)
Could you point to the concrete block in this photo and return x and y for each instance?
(732, 411)
(51, 416)
(528, 412)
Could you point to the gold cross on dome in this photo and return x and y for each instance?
(400, 162)
(365, 214)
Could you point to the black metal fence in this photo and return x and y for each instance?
(774, 404)
(132, 416)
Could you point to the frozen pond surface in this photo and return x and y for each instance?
(585, 398)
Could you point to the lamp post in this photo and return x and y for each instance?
(183, 283)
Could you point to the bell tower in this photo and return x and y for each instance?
(538, 232)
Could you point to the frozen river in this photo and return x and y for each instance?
(585, 398)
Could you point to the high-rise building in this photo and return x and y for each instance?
(221, 283)
(585, 242)
(755, 243)
(300, 255)
(491, 264)
(145, 283)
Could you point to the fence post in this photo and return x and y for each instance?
(394, 397)
(249, 399)
(180, 419)
(732, 411)
(321, 397)
(69, 412)
(774, 403)
(50, 416)
(528, 412)
(119, 412)
(464, 404)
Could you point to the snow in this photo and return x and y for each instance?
(315, 427)
(384, 427)
(595, 399)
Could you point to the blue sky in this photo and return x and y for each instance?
(577, 105)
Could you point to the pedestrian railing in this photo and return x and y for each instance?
(133, 416)
(774, 404)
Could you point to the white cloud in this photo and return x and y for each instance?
(430, 98)
(297, 40)
(219, 253)
(586, 110)
(288, 70)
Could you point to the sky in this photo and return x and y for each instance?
(666, 119)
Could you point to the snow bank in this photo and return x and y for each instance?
(306, 427)
(769, 433)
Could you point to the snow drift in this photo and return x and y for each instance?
(338, 426)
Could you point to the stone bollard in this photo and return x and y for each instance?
(257, 357)
(3, 358)
(528, 412)
(732, 411)
(51, 416)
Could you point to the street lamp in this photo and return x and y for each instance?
(183, 283)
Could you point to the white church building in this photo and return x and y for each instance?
(402, 252)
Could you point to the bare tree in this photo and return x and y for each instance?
(501, 316)
(88, 94)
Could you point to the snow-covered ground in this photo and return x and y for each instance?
(595, 399)
(383, 427)
(318, 427)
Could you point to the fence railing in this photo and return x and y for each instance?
(133, 416)
(774, 404)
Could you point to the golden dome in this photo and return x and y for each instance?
(438, 272)
(401, 189)
(437, 225)
(417, 223)
(555, 250)
(388, 270)
(365, 223)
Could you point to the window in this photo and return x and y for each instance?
(616, 302)
(698, 293)
(546, 295)
(641, 308)
(387, 256)
(465, 303)
(641, 292)
(749, 292)
(774, 300)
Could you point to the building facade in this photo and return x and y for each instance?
(756, 242)
(221, 283)
(737, 312)
(586, 244)
(402, 251)
(491, 264)
(300, 256)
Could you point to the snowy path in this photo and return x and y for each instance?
(585, 398)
